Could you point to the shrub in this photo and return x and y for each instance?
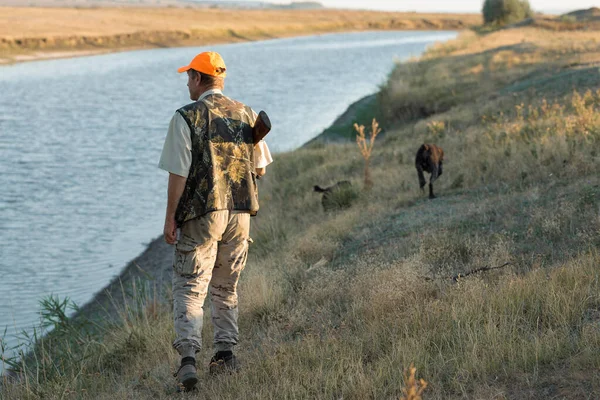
(343, 197)
(502, 12)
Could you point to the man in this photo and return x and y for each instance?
(212, 165)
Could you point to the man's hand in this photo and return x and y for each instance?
(170, 231)
(176, 187)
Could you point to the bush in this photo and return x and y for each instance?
(342, 197)
(506, 11)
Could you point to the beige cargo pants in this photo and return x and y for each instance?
(211, 252)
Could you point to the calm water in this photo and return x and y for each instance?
(80, 193)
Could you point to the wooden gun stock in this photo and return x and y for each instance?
(262, 127)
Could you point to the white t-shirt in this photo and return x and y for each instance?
(176, 156)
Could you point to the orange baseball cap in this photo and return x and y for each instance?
(209, 63)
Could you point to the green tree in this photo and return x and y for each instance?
(502, 12)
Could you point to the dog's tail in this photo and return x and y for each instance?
(319, 189)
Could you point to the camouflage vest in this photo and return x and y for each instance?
(222, 172)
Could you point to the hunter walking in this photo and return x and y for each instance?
(213, 165)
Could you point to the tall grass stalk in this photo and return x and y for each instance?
(366, 147)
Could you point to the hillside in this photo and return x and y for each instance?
(338, 305)
(580, 20)
(591, 14)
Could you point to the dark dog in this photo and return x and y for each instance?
(429, 159)
(336, 196)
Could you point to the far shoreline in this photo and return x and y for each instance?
(66, 54)
(42, 35)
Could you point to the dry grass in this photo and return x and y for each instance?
(472, 66)
(337, 305)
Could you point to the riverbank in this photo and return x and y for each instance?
(339, 304)
(153, 267)
(44, 33)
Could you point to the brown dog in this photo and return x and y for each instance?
(429, 159)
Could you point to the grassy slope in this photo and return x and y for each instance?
(44, 30)
(337, 306)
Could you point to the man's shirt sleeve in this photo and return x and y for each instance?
(262, 155)
(176, 156)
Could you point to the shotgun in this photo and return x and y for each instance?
(261, 128)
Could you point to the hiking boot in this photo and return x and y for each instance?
(223, 362)
(186, 374)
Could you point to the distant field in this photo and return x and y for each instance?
(32, 32)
